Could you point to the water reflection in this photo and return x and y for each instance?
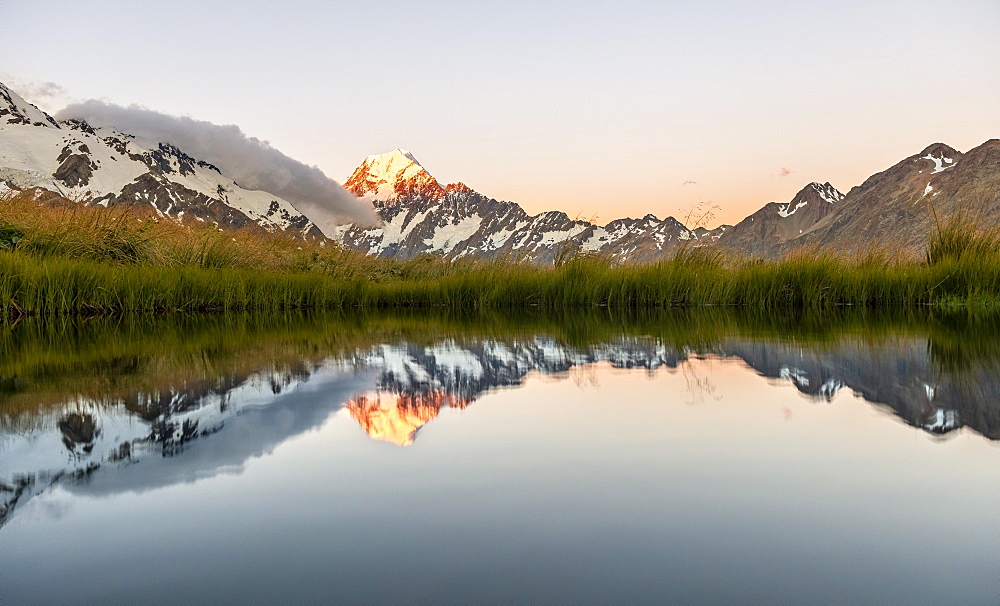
(102, 408)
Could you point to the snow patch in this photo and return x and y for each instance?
(942, 420)
(446, 238)
(940, 162)
(798, 376)
(783, 208)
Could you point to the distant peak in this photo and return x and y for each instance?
(825, 191)
(942, 156)
(396, 154)
(813, 192)
(397, 174)
(940, 150)
(384, 177)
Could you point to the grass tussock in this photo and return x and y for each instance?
(59, 257)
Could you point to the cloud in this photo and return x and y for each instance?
(252, 163)
(45, 90)
(784, 172)
(46, 95)
(690, 182)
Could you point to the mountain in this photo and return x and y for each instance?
(776, 223)
(394, 175)
(421, 216)
(894, 210)
(111, 168)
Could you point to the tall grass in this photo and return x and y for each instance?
(60, 257)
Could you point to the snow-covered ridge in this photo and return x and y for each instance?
(420, 216)
(385, 177)
(15, 110)
(384, 171)
(108, 167)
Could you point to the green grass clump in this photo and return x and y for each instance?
(957, 240)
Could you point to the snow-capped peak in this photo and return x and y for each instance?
(824, 191)
(394, 155)
(827, 192)
(386, 176)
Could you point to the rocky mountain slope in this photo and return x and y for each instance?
(894, 210)
(898, 208)
(422, 216)
(107, 167)
(776, 223)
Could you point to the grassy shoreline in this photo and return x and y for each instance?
(63, 258)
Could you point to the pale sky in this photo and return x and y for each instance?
(602, 110)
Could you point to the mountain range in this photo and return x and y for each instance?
(895, 209)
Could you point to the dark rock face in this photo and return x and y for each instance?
(75, 169)
(78, 429)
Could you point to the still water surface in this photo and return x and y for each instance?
(689, 458)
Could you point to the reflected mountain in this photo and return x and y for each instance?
(203, 400)
(899, 375)
(396, 417)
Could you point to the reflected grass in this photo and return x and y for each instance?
(48, 363)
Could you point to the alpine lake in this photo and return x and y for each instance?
(706, 455)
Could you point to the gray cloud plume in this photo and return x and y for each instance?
(252, 163)
(47, 89)
(33, 90)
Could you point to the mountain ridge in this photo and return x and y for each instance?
(102, 166)
(421, 216)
